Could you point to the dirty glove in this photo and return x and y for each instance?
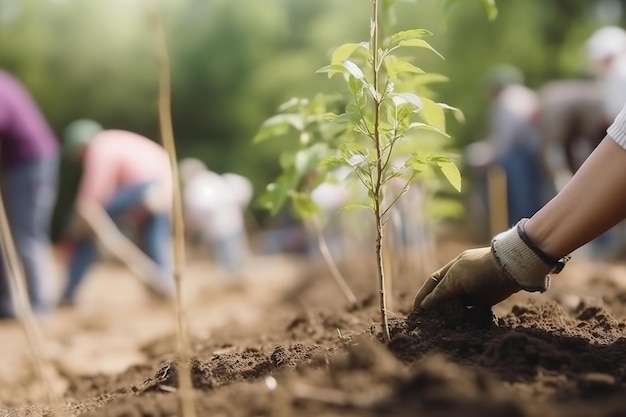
(488, 275)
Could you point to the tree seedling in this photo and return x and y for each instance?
(387, 127)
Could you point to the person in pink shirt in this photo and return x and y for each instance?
(125, 175)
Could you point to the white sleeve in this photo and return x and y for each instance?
(617, 130)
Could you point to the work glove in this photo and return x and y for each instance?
(486, 276)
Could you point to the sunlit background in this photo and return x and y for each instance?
(235, 61)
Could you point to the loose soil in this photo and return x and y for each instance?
(286, 344)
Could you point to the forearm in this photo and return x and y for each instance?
(591, 203)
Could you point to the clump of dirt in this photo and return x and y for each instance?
(531, 345)
(223, 369)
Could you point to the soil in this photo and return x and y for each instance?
(286, 344)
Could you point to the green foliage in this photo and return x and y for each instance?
(235, 61)
(382, 118)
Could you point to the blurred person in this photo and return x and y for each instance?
(126, 178)
(571, 124)
(575, 113)
(513, 143)
(28, 181)
(214, 207)
(524, 257)
(606, 50)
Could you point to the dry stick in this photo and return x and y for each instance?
(19, 294)
(498, 208)
(144, 268)
(332, 265)
(167, 136)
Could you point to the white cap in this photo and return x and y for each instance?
(606, 42)
(189, 167)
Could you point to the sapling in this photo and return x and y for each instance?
(383, 130)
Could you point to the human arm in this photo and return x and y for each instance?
(591, 203)
(92, 218)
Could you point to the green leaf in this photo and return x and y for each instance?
(354, 154)
(333, 161)
(426, 126)
(433, 114)
(286, 160)
(419, 43)
(395, 66)
(332, 70)
(278, 125)
(303, 204)
(353, 69)
(449, 170)
(408, 98)
(409, 34)
(308, 159)
(428, 78)
(404, 66)
(291, 104)
(356, 206)
(458, 113)
(345, 51)
(356, 87)
(276, 193)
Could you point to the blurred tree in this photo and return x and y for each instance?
(235, 61)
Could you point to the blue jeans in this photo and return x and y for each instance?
(29, 193)
(154, 235)
(524, 183)
(231, 251)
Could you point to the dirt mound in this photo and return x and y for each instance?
(302, 352)
(537, 360)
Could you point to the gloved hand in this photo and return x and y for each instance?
(486, 276)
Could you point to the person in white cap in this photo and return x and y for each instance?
(214, 207)
(524, 257)
(606, 49)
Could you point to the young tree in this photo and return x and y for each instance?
(382, 129)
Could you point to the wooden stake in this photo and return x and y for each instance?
(19, 295)
(186, 391)
(330, 261)
(497, 195)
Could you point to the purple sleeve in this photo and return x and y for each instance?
(24, 131)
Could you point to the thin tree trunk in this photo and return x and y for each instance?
(378, 194)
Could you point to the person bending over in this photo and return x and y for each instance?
(125, 176)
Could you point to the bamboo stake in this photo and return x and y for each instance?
(497, 194)
(19, 295)
(332, 265)
(187, 400)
